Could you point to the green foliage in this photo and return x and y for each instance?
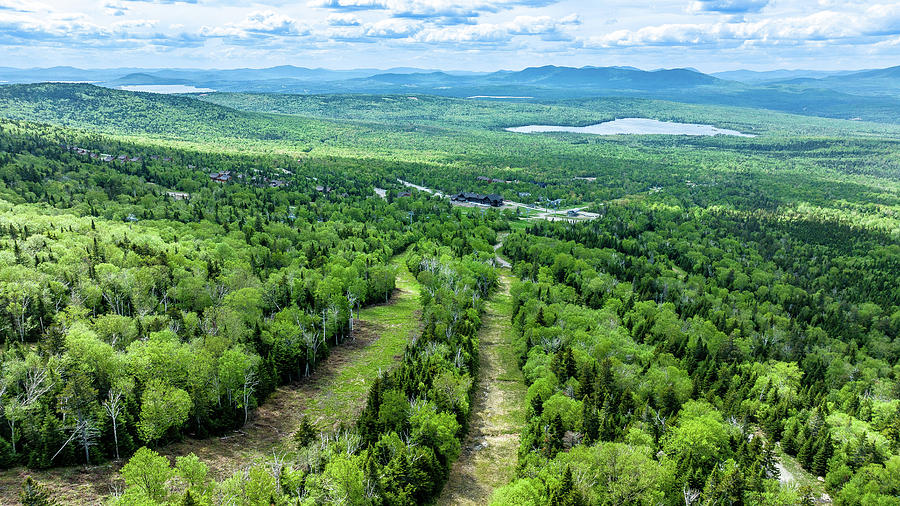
(162, 407)
(146, 474)
(34, 494)
(732, 293)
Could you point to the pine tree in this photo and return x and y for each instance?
(555, 434)
(805, 453)
(590, 422)
(565, 494)
(807, 498)
(669, 401)
(605, 379)
(305, 434)
(188, 499)
(607, 423)
(788, 443)
(586, 380)
(820, 460)
(34, 494)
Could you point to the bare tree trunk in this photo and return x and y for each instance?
(116, 438)
(84, 442)
(12, 433)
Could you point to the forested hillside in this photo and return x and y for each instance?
(138, 314)
(725, 331)
(674, 352)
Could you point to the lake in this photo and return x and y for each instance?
(636, 126)
(166, 88)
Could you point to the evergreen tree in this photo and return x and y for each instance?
(824, 452)
(564, 494)
(590, 421)
(34, 494)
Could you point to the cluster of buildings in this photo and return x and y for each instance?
(225, 176)
(485, 179)
(105, 157)
(492, 200)
(220, 177)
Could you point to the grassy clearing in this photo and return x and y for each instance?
(793, 474)
(490, 450)
(335, 393)
(344, 394)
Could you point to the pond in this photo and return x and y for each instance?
(637, 126)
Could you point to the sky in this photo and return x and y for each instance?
(481, 35)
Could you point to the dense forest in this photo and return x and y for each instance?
(726, 331)
(684, 346)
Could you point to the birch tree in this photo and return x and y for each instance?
(113, 408)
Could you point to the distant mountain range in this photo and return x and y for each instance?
(870, 94)
(157, 76)
(773, 76)
(589, 80)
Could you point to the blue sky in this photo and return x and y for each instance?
(710, 35)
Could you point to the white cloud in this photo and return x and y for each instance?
(504, 33)
(115, 8)
(728, 6)
(827, 25)
(258, 24)
(343, 20)
(393, 28)
(456, 9)
(501, 32)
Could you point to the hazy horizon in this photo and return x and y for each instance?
(449, 69)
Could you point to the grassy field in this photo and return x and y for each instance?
(793, 474)
(334, 393)
(489, 454)
(342, 395)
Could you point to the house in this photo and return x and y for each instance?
(404, 194)
(277, 183)
(122, 158)
(179, 195)
(221, 177)
(492, 180)
(492, 200)
(572, 213)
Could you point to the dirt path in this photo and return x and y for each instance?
(334, 393)
(499, 261)
(490, 450)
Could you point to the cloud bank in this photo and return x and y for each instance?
(463, 33)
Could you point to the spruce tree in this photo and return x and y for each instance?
(590, 422)
(806, 453)
(34, 494)
(565, 494)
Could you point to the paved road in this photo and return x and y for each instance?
(543, 212)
